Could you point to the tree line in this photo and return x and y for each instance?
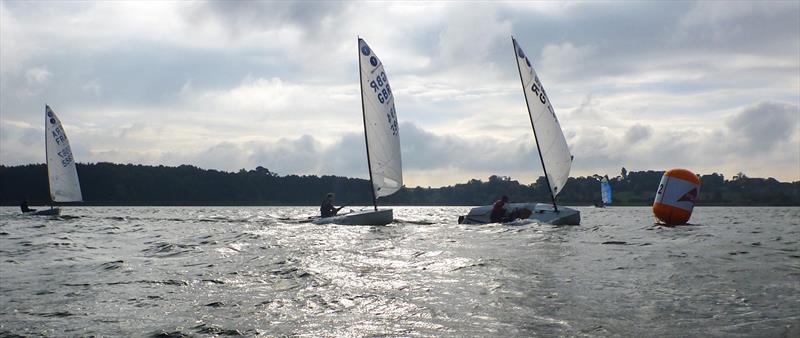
(128, 184)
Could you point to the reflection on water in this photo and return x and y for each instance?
(120, 271)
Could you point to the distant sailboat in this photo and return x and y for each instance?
(553, 152)
(61, 170)
(605, 193)
(382, 138)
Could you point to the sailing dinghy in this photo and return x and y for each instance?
(61, 171)
(553, 152)
(605, 193)
(382, 138)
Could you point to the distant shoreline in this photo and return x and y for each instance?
(109, 184)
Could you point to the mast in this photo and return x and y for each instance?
(364, 116)
(46, 155)
(538, 149)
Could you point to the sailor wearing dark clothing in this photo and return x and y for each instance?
(499, 210)
(24, 206)
(327, 209)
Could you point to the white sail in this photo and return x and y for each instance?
(605, 191)
(64, 185)
(380, 124)
(551, 142)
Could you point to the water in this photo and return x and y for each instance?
(142, 271)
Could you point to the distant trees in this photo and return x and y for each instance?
(128, 184)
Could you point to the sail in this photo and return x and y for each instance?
(64, 185)
(549, 137)
(380, 124)
(605, 191)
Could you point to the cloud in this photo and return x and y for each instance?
(761, 128)
(721, 23)
(37, 80)
(470, 36)
(93, 87)
(566, 59)
(38, 76)
(232, 85)
(244, 17)
(638, 133)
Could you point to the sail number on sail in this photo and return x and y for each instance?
(537, 85)
(61, 139)
(535, 88)
(380, 86)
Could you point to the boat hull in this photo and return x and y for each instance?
(45, 212)
(371, 217)
(541, 212)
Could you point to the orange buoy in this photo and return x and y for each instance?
(675, 197)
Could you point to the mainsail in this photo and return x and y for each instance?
(605, 191)
(380, 124)
(64, 185)
(550, 140)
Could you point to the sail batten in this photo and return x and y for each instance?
(61, 170)
(553, 150)
(380, 124)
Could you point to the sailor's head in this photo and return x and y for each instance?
(330, 196)
(504, 198)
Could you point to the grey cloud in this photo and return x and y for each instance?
(737, 25)
(290, 156)
(584, 110)
(457, 72)
(637, 37)
(472, 34)
(30, 137)
(225, 155)
(422, 150)
(425, 150)
(638, 133)
(347, 156)
(247, 16)
(21, 144)
(763, 126)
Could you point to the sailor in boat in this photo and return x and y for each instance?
(24, 206)
(500, 213)
(327, 209)
(499, 210)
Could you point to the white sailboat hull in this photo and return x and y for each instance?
(370, 217)
(541, 212)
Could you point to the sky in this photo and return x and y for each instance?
(710, 86)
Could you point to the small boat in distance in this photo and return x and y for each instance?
(382, 138)
(605, 193)
(61, 170)
(553, 153)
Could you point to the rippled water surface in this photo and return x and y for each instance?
(150, 271)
